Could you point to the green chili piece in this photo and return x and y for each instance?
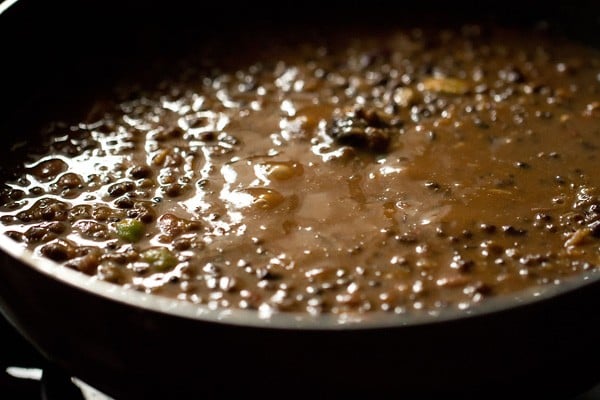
(160, 258)
(130, 230)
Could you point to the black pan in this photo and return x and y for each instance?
(132, 345)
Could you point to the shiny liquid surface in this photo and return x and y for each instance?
(393, 171)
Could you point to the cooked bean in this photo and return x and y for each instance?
(265, 198)
(144, 211)
(91, 229)
(119, 189)
(70, 181)
(175, 189)
(101, 213)
(86, 263)
(172, 225)
(124, 202)
(59, 250)
(140, 172)
(46, 209)
(47, 170)
(282, 171)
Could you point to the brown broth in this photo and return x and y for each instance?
(393, 171)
